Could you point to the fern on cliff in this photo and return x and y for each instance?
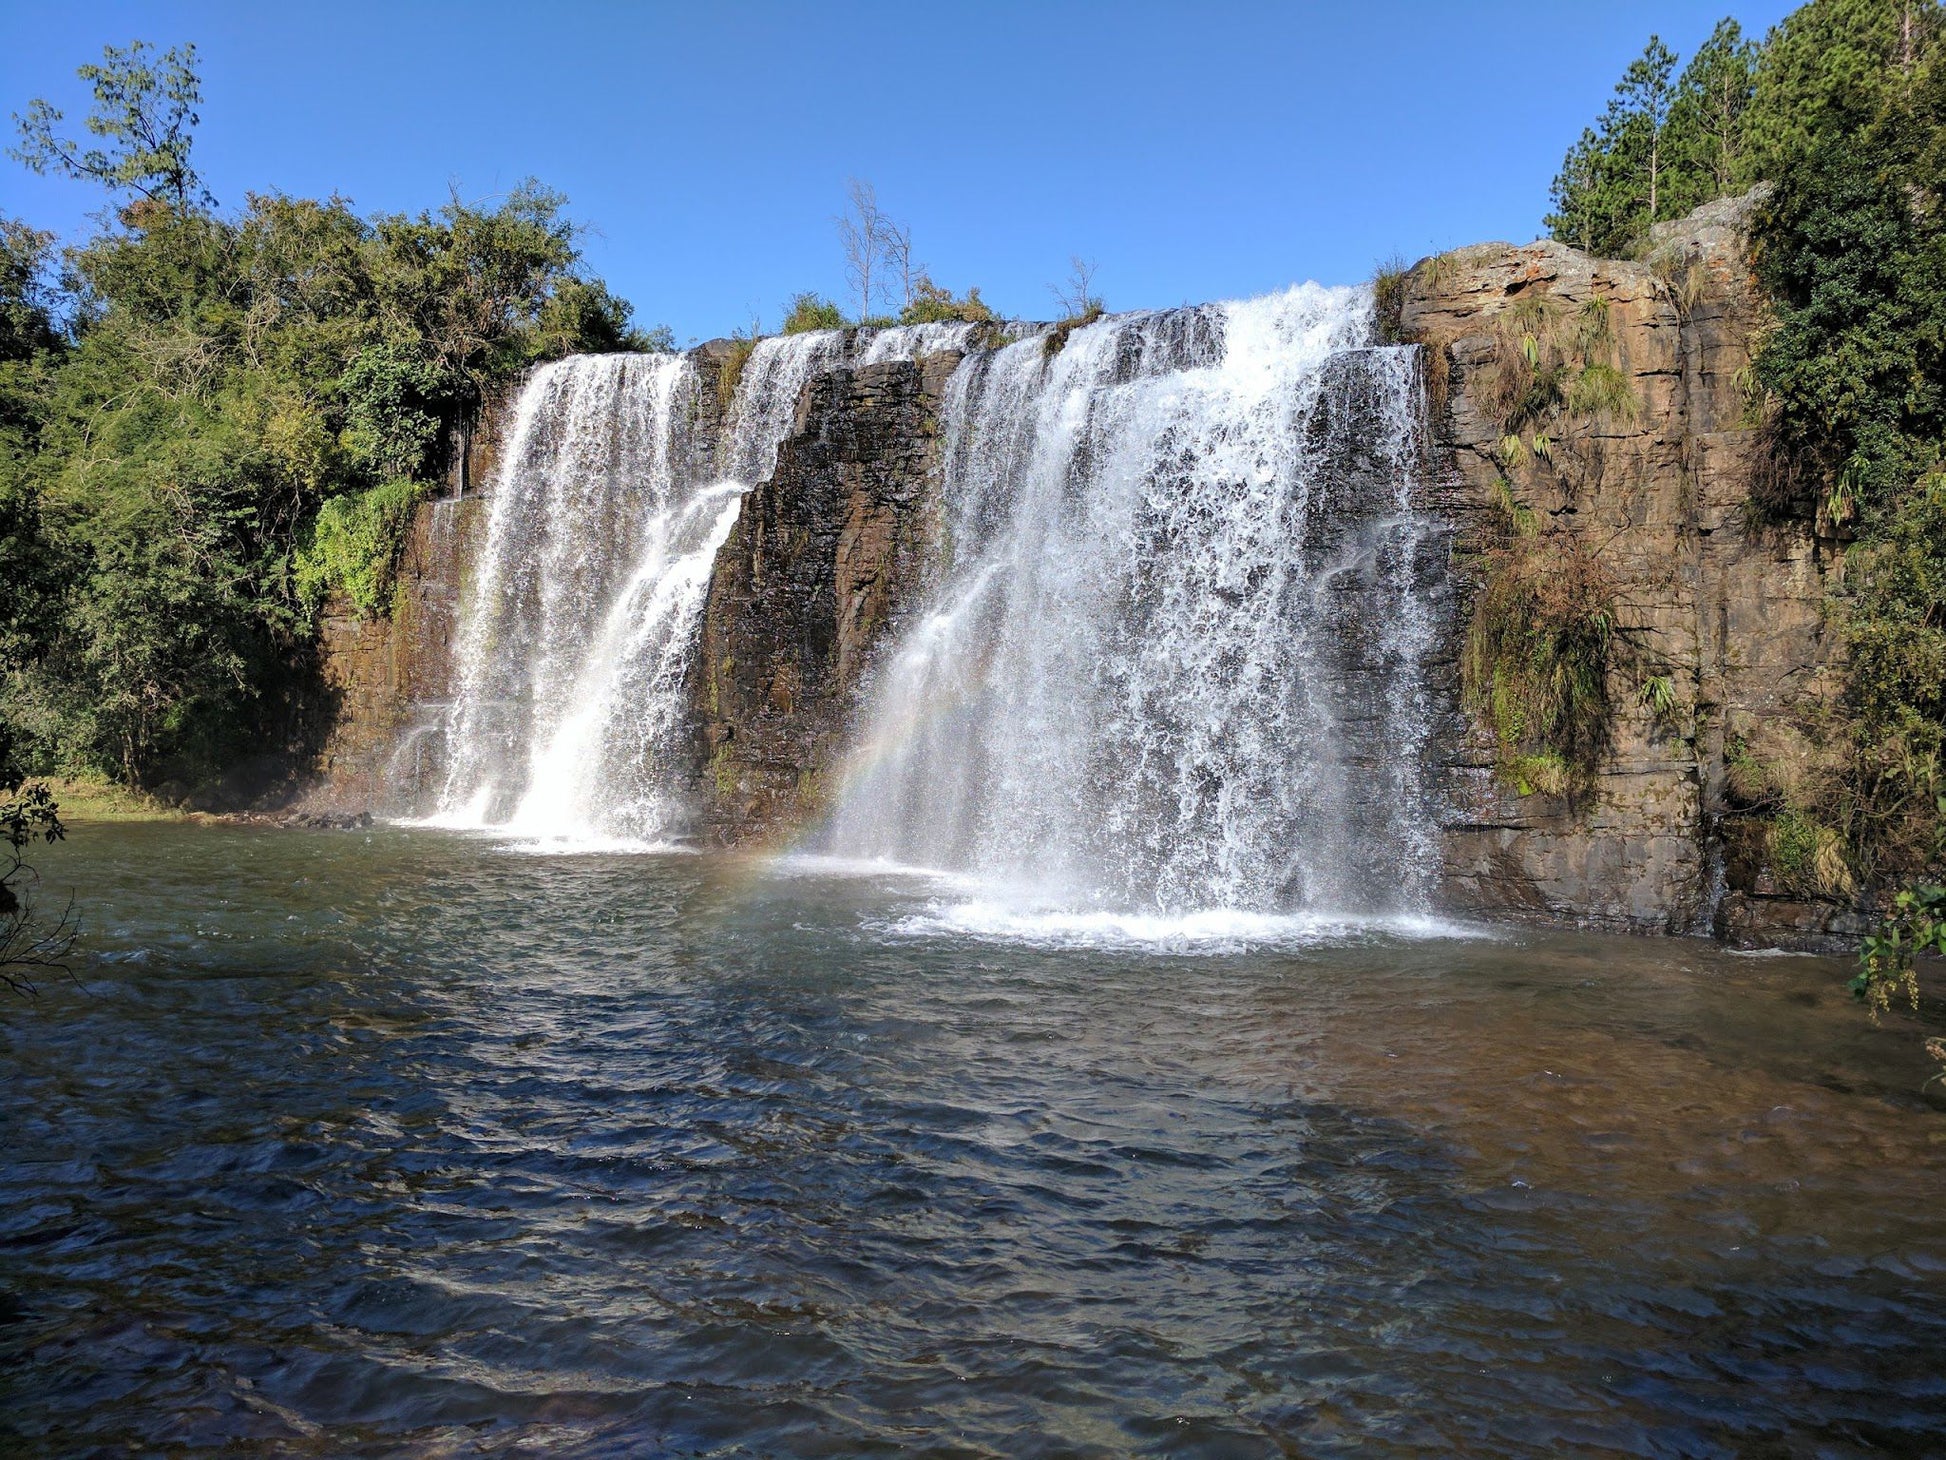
(1535, 667)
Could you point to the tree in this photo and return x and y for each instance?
(862, 231)
(1610, 187)
(29, 944)
(33, 584)
(899, 263)
(1706, 120)
(145, 109)
(1833, 65)
(234, 418)
(1646, 93)
(1076, 295)
(1576, 194)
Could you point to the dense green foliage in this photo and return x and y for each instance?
(30, 943)
(1852, 253)
(353, 546)
(1738, 113)
(1828, 68)
(211, 420)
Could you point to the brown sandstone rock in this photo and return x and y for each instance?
(1734, 611)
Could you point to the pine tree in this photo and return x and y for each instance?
(1706, 121)
(1833, 65)
(1609, 188)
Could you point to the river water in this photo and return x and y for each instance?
(409, 1142)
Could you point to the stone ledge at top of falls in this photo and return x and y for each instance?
(834, 545)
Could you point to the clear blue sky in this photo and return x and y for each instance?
(1196, 151)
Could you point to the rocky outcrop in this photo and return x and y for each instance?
(387, 678)
(1728, 610)
(825, 558)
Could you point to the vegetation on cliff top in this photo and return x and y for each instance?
(209, 420)
(1740, 112)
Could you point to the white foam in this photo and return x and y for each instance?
(1209, 931)
(592, 845)
(824, 864)
(512, 839)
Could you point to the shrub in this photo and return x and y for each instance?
(812, 312)
(1888, 958)
(1807, 858)
(730, 373)
(1056, 339)
(1535, 665)
(932, 304)
(354, 547)
(1388, 299)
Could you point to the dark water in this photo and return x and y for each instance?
(398, 1143)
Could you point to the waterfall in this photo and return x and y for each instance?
(607, 511)
(571, 649)
(1177, 658)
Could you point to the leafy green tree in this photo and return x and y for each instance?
(29, 944)
(1852, 252)
(233, 421)
(392, 394)
(31, 579)
(1855, 264)
(145, 111)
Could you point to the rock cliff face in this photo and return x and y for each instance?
(1732, 611)
(825, 557)
(387, 679)
(836, 547)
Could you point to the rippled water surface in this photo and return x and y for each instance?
(403, 1142)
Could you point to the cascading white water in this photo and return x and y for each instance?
(1178, 658)
(911, 341)
(607, 513)
(598, 547)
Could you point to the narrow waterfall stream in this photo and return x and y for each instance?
(1178, 659)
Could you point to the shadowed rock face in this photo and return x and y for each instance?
(387, 679)
(1734, 611)
(827, 555)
